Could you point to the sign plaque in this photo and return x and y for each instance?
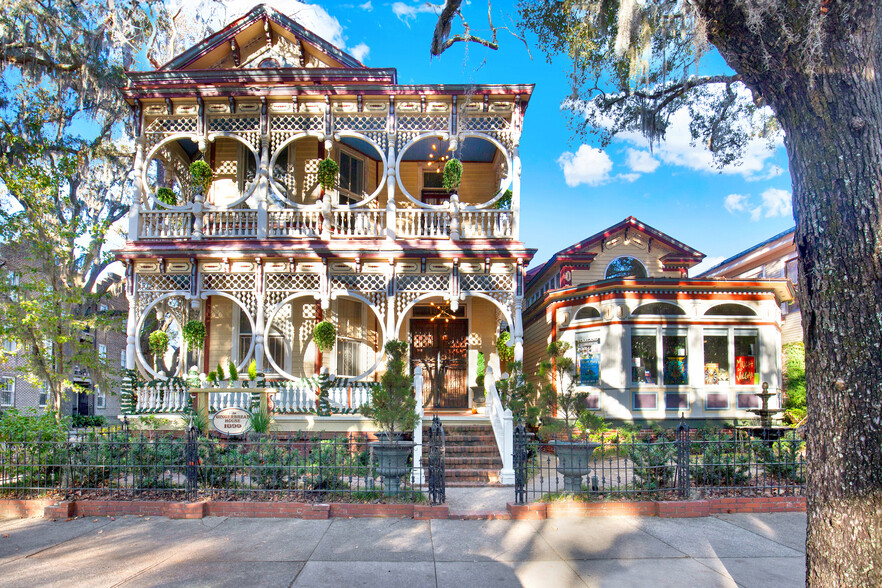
(232, 421)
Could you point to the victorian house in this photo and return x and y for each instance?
(650, 343)
(262, 252)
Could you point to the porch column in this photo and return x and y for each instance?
(132, 319)
(390, 302)
(391, 173)
(263, 188)
(260, 319)
(419, 475)
(137, 171)
(516, 194)
(518, 332)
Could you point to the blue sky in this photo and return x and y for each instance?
(570, 189)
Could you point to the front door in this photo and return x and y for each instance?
(83, 404)
(440, 347)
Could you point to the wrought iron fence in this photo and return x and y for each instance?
(124, 465)
(679, 464)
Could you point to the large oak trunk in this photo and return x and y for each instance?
(833, 125)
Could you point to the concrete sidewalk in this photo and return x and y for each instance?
(723, 550)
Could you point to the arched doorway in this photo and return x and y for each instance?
(439, 344)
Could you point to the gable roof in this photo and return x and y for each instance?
(682, 254)
(268, 15)
(791, 232)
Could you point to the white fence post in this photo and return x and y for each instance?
(419, 475)
(506, 474)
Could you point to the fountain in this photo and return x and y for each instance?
(766, 431)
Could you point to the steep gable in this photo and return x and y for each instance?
(262, 39)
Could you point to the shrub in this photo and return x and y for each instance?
(504, 202)
(393, 407)
(325, 335)
(220, 372)
(452, 175)
(519, 395)
(167, 196)
(505, 353)
(783, 459)
(232, 371)
(87, 420)
(201, 173)
(654, 466)
(31, 425)
(158, 342)
(721, 462)
(794, 382)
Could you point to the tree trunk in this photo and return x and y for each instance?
(833, 126)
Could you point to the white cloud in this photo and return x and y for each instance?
(628, 177)
(642, 161)
(588, 165)
(777, 202)
(409, 11)
(360, 51)
(706, 264)
(366, 6)
(736, 202)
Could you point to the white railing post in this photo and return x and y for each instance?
(503, 428)
(506, 474)
(419, 475)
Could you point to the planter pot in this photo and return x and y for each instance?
(479, 395)
(391, 459)
(573, 461)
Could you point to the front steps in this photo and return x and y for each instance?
(471, 455)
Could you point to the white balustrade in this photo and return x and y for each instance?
(503, 428)
(294, 223)
(162, 397)
(359, 222)
(236, 223)
(164, 224)
(221, 398)
(418, 223)
(487, 224)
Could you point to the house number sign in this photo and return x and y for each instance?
(232, 421)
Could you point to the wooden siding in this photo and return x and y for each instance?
(537, 336)
(792, 328)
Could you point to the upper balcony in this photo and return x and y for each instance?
(265, 158)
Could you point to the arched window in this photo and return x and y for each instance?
(625, 267)
(587, 313)
(269, 63)
(730, 310)
(659, 308)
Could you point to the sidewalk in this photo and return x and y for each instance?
(723, 550)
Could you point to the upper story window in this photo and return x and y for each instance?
(659, 308)
(7, 391)
(730, 310)
(351, 178)
(625, 267)
(587, 313)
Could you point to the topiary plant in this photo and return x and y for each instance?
(252, 370)
(325, 336)
(167, 196)
(452, 175)
(194, 334)
(234, 373)
(505, 353)
(393, 407)
(327, 173)
(220, 372)
(201, 174)
(158, 342)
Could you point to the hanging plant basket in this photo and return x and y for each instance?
(452, 175)
(194, 334)
(201, 174)
(327, 173)
(325, 335)
(158, 342)
(167, 196)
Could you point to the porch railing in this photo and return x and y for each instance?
(503, 430)
(240, 224)
(299, 396)
(421, 223)
(164, 224)
(487, 224)
(294, 223)
(365, 222)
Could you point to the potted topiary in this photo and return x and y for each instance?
(325, 335)
(201, 173)
(393, 410)
(505, 353)
(158, 342)
(167, 196)
(573, 456)
(478, 391)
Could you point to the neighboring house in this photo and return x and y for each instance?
(773, 258)
(17, 391)
(264, 253)
(648, 342)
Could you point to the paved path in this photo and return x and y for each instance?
(725, 550)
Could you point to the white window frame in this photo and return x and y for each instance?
(44, 391)
(122, 358)
(362, 343)
(342, 149)
(612, 261)
(9, 346)
(7, 384)
(100, 397)
(660, 331)
(102, 351)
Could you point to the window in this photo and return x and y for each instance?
(9, 346)
(122, 359)
(716, 357)
(659, 308)
(102, 308)
(350, 335)
(100, 397)
(245, 336)
(44, 395)
(746, 358)
(625, 267)
(730, 310)
(102, 351)
(351, 178)
(644, 358)
(7, 391)
(588, 357)
(433, 191)
(676, 369)
(275, 344)
(12, 280)
(587, 313)
(792, 270)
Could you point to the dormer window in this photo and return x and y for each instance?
(625, 267)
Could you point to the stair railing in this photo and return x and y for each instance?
(503, 428)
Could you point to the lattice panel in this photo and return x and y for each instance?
(163, 282)
(279, 286)
(412, 126)
(246, 127)
(402, 299)
(370, 126)
(239, 285)
(283, 127)
(495, 126)
(162, 127)
(422, 283)
(486, 282)
(371, 286)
